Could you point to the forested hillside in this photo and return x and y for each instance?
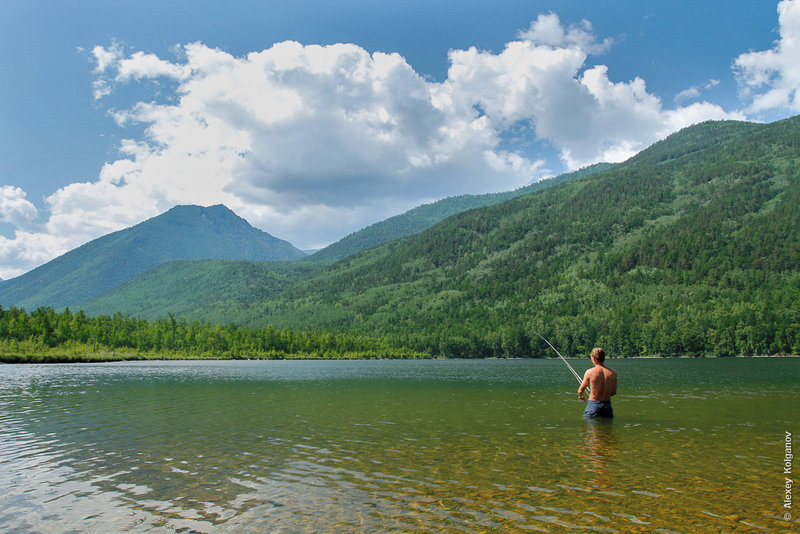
(692, 247)
(418, 219)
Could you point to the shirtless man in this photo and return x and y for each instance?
(602, 383)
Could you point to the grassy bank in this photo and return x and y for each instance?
(71, 352)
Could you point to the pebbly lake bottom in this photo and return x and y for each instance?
(394, 446)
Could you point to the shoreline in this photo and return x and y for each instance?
(45, 359)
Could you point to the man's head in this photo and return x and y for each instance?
(598, 355)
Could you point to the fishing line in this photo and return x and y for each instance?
(577, 376)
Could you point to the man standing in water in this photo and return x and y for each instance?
(602, 383)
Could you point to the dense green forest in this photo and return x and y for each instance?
(47, 336)
(690, 248)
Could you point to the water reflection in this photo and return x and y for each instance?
(600, 448)
(404, 447)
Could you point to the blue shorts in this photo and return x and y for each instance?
(596, 408)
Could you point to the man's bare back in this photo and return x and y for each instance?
(602, 384)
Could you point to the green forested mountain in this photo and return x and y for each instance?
(214, 291)
(692, 247)
(418, 219)
(182, 233)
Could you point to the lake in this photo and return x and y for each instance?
(697, 445)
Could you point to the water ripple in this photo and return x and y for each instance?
(401, 446)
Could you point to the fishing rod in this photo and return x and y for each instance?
(577, 376)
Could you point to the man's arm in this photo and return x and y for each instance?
(613, 384)
(584, 385)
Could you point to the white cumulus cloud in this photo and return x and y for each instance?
(770, 79)
(313, 142)
(544, 80)
(548, 30)
(14, 207)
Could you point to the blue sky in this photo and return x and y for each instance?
(112, 112)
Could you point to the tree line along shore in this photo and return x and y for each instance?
(48, 336)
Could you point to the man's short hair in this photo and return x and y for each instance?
(598, 354)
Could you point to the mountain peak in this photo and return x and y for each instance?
(194, 208)
(185, 232)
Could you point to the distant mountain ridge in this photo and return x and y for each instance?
(78, 279)
(182, 233)
(211, 289)
(422, 217)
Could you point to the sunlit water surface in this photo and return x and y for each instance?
(394, 446)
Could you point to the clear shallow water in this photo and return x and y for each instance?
(394, 446)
